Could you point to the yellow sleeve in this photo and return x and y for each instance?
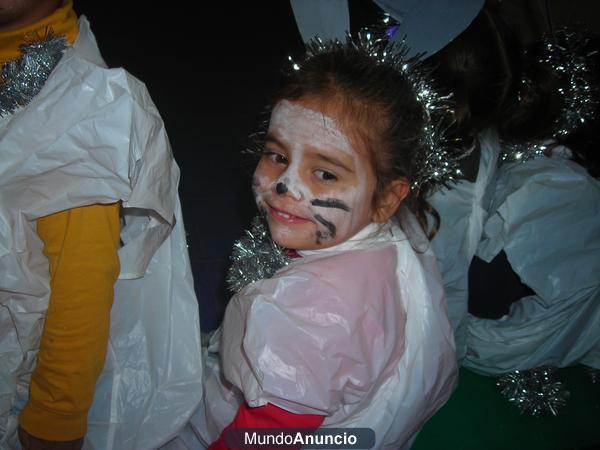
(81, 245)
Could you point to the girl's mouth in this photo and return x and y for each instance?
(285, 217)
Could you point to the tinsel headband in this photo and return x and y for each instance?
(437, 163)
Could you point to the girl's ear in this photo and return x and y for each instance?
(390, 199)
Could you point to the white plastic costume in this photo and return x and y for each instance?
(463, 212)
(544, 214)
(99, 139)
(357, 332)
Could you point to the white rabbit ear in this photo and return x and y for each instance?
(326, 19)
(443, 20)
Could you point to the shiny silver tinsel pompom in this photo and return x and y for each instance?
(23, 78)
(536, 392)
(255, 257)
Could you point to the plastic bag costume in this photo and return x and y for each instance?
(100, 139)
(543, 214)
(463, 211)
(357, 332)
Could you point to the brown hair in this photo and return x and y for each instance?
(483, 68)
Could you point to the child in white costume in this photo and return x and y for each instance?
(518, 229)
(353, 333)
(544, 216)
(92, 135)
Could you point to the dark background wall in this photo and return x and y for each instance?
(210, 73)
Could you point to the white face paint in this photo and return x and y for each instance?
(314, 186)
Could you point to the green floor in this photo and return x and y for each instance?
(477, 417)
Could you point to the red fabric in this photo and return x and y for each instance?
(268, 416)
(291, 253)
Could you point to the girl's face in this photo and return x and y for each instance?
(315, 186)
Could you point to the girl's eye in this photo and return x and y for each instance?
(275, 157)
(324, 175)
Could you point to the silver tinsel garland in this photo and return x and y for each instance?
(521, 152)
(568, 54)
(23, 78)
(536, 392)
(255, 257)
(438, 162)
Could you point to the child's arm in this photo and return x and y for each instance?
(81, 245)
(267, 416)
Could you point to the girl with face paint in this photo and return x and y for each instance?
(314, 186)
(353, 333)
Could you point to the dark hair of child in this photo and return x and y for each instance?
(484, 68)
(381, 112)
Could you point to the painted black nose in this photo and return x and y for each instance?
(281, 188)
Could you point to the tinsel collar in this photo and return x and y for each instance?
(255, 257)
(23, 78)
